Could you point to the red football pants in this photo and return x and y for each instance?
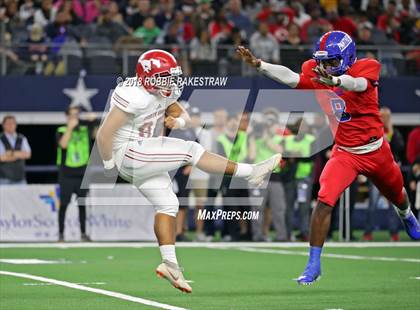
(343, 167)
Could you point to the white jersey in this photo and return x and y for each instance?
(147, 112)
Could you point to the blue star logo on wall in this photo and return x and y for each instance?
(80, 96)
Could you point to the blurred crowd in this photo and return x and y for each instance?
(284, 205)
(35, 31)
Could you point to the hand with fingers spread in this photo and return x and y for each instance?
(323, 77)
(247, 56)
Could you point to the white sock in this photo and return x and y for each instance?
(243, 170)
(167, 252)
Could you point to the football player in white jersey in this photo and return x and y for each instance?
(130, 142)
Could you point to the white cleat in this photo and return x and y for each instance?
(262, 169)
(173, 273)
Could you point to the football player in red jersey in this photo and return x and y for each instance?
(359, 145)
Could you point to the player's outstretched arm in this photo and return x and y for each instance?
(104, 137)
(278, 73)
(347, 82)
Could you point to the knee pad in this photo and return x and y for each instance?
(196, 150)
(169, 205)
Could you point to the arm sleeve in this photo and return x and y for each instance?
(280, 74)
(358, 84)
(364, 69)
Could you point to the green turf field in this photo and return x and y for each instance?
(248, 276)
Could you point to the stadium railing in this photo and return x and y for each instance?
(101, 58)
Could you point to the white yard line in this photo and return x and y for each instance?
(331, 255)
(210, 245)
(48, 284)
(92, 290)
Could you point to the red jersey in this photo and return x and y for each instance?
(359, 121)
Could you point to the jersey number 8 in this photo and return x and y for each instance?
(338, 106)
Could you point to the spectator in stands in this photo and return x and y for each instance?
(27, 10)
(45, 14)
(129, 8)
(170, 36)
(107, 27)
(239, 18)
(293, 57)
(148, 32)
(166, 13)
(293, 37)
(72, 9)
(73, 150)
(342, 23)
(219, 24)
(372, 9)
(226, 50)
(201, 48)
(137, 19)
(264, 143)
(115, 14)
(279, 27)
(185, 27)
(364, 37)
(59, 31)
(89, 10)
(389, 22)
(203, 15)
(300, 16)
(36, 51)
(264, 45)
(14, 151)
(315, 27)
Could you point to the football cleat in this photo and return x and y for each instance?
(412, 226)
(311, 274)
(173, 273)
(262, 169)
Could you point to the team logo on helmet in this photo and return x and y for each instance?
(345, 41)
(147, 64)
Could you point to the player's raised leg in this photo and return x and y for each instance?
(388, 179)
(337, 175)
(158, 190)
(162, 154)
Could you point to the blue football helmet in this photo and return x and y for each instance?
(337, 49)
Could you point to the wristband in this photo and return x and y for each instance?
(109, 164)
(181, 122)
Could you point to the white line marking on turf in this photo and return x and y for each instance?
(216, 245)
(91, 289)
(331, 255)
(31, 261)
(414, 278)
(48, 284)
